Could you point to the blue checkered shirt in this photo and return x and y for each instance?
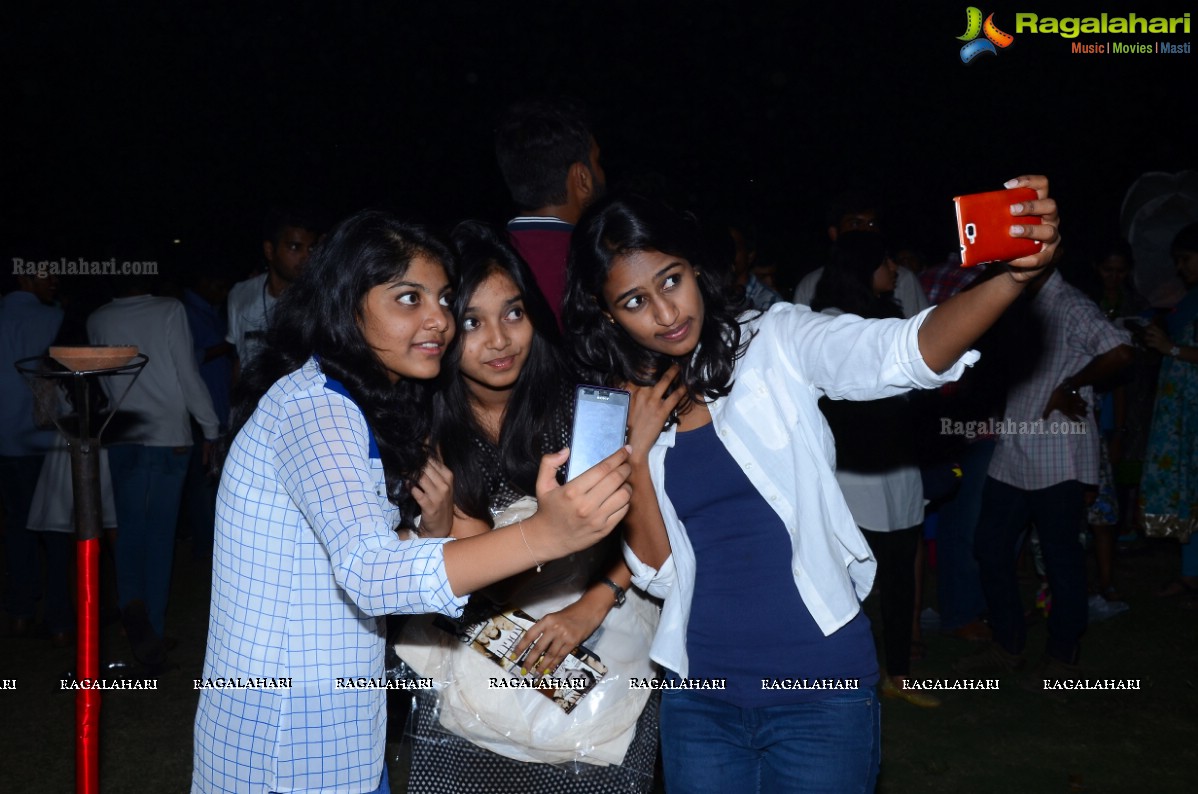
(306, 563)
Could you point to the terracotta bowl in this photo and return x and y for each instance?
(85, 358)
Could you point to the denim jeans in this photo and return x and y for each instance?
(147, 484)
(958, 583)
(826, 746)
(1059, 513)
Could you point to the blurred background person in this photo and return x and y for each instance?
(1169, 491)
(30, 320)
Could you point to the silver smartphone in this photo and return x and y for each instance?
(600, 426)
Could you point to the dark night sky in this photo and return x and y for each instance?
(126, 128)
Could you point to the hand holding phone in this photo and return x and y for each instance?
(579, 514)
(983, 226)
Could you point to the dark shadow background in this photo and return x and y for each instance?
(127, 128)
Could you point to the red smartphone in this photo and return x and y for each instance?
(983, 222)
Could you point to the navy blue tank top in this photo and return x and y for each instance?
(747, 621)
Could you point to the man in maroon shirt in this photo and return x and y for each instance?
(550, 162)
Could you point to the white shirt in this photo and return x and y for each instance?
(772, 426)
(907, 291)
(249, 307)
(884, 501)
(169, 387)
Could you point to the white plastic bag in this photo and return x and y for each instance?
(524, 724)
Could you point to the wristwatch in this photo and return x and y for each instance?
(615, 588)
(1175, 351)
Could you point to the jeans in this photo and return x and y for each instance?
(831, 745)
(1059, 513)
(147, 484)
(958, 582)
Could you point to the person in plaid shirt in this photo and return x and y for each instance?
(945, 280)
(1046, 454)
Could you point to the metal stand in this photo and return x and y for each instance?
(85, 479)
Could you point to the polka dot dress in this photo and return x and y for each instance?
(503, 492)
(444, 763)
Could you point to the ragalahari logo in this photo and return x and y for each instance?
(994, 38)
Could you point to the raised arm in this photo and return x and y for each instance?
(324, 467)
(957, 323)
(569, 518)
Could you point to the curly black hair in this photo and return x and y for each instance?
(620, 225)
(320, 316)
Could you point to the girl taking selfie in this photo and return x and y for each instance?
(737, 521)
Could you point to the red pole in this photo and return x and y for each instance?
(85, 476)
(87, 663)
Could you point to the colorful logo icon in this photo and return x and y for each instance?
(994, 38)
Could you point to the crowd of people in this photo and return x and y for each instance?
(388, 413)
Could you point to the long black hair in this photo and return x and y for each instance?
(874, 435)
(320, 315)
(621, 225)
(847, 281)
(536, 402)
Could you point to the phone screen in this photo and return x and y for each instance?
(600, 421)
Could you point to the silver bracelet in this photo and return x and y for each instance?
(520, 524)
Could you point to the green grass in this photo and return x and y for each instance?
(1011, 740)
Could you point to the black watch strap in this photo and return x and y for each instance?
(615, 588)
